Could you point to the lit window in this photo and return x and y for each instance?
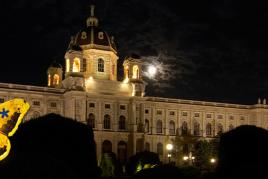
(135, 72)
(76, 65)
(49, 79)
(56, 79)
(67, 65)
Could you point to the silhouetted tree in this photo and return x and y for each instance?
(141, 160)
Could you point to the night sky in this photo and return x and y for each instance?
(209, 50)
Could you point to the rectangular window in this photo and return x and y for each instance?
(107, 106)
(2, 100)
(209, 116)
(220, 117)
(36, 103)
(146, 111)
(184, 113)
(84, 64)
(242, 118)
(196, 114)
(158, 112)
(172, 113)
(53, 104)
(92, 105)
(231, 117)
(122, 107)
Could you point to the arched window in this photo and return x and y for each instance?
(91, 120)
(122, 123)
(184, 128)
(147, 146)
(172, 128)
(147, 125)
(56, 79)
(220, 129)
(76, 65)
(106, 146)
(159, 126)
(107, 122)
(49, 80)
(67, 65)
(231, 127)
(196, 128)
(160, 149)
(135, 72)
(100, 65)
(208, 129)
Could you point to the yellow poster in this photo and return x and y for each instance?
(11, 115)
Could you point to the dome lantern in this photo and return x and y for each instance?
(92, 21)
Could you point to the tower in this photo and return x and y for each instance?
(54, 75)
(98, 54)
(132, 74)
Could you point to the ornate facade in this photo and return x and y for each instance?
(124, 120)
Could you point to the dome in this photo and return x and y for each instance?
(94, 37)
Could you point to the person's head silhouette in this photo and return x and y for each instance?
(52, 147)
(243, 153)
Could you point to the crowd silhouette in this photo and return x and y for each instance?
(53, 146)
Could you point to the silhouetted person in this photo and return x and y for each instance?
(51, 147)
(243, 153)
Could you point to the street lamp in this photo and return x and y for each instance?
(212, 160)
(169, 148)
(189, 158)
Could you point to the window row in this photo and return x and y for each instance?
(184, 130)
(196, 114)
(107, 121)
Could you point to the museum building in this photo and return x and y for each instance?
(124, 119)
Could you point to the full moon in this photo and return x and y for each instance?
(151, 70)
